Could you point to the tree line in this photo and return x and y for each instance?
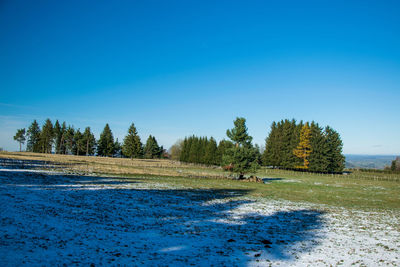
(237, 154)
(307, 146)
(289, 145)
(63, 139)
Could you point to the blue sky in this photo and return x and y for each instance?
(177, 68)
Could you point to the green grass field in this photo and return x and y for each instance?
(360, 190)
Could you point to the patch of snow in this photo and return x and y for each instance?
(49, 218)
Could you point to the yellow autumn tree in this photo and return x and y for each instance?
(303, 150)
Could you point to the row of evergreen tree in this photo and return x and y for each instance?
(293, 145)
(63, 139)
(203, 150)
(237, 154)
(289, 145)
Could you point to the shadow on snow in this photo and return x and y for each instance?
(50, 219)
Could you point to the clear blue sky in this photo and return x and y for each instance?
(177, 68)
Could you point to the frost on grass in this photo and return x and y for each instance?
(52, 219)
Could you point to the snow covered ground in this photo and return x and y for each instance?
(49, 218)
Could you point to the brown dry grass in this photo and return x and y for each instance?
(161, 167)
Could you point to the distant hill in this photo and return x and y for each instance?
(369, 161)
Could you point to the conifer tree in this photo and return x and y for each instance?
(33, 133)
(272, 154)
(132, 147)
(69, 140)
(290, 139)
(393, 166)
(62, 145)
(210, 156)
(106, 143)
(223, 146)
(117, 149)
(47, 137)
(239, 134)
(319, 149)
(335, 146)
(303, 150)
(57, 130)
(184, 153)
(243, 157)
(194, 150)
(78, 143)
(20, 137)
(151, 149)
(89, 142)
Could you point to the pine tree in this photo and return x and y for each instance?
(89, 142)
(132, 147)
(106, 143)
(47, 137)
(239, 133)
(303, 150)
(20, 137)
(243, 157)
(33, 133)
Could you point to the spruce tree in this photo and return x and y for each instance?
(184, 153)
(151, 149)
(20, 137)
(335, 146)
(132, 147)
(210, 157)
(194, 150)
(106, 143)
(319, 155)
(89, 142)
(223, 146)
(33, 133)
(272, 154)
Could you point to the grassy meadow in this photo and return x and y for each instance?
(360, 190)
